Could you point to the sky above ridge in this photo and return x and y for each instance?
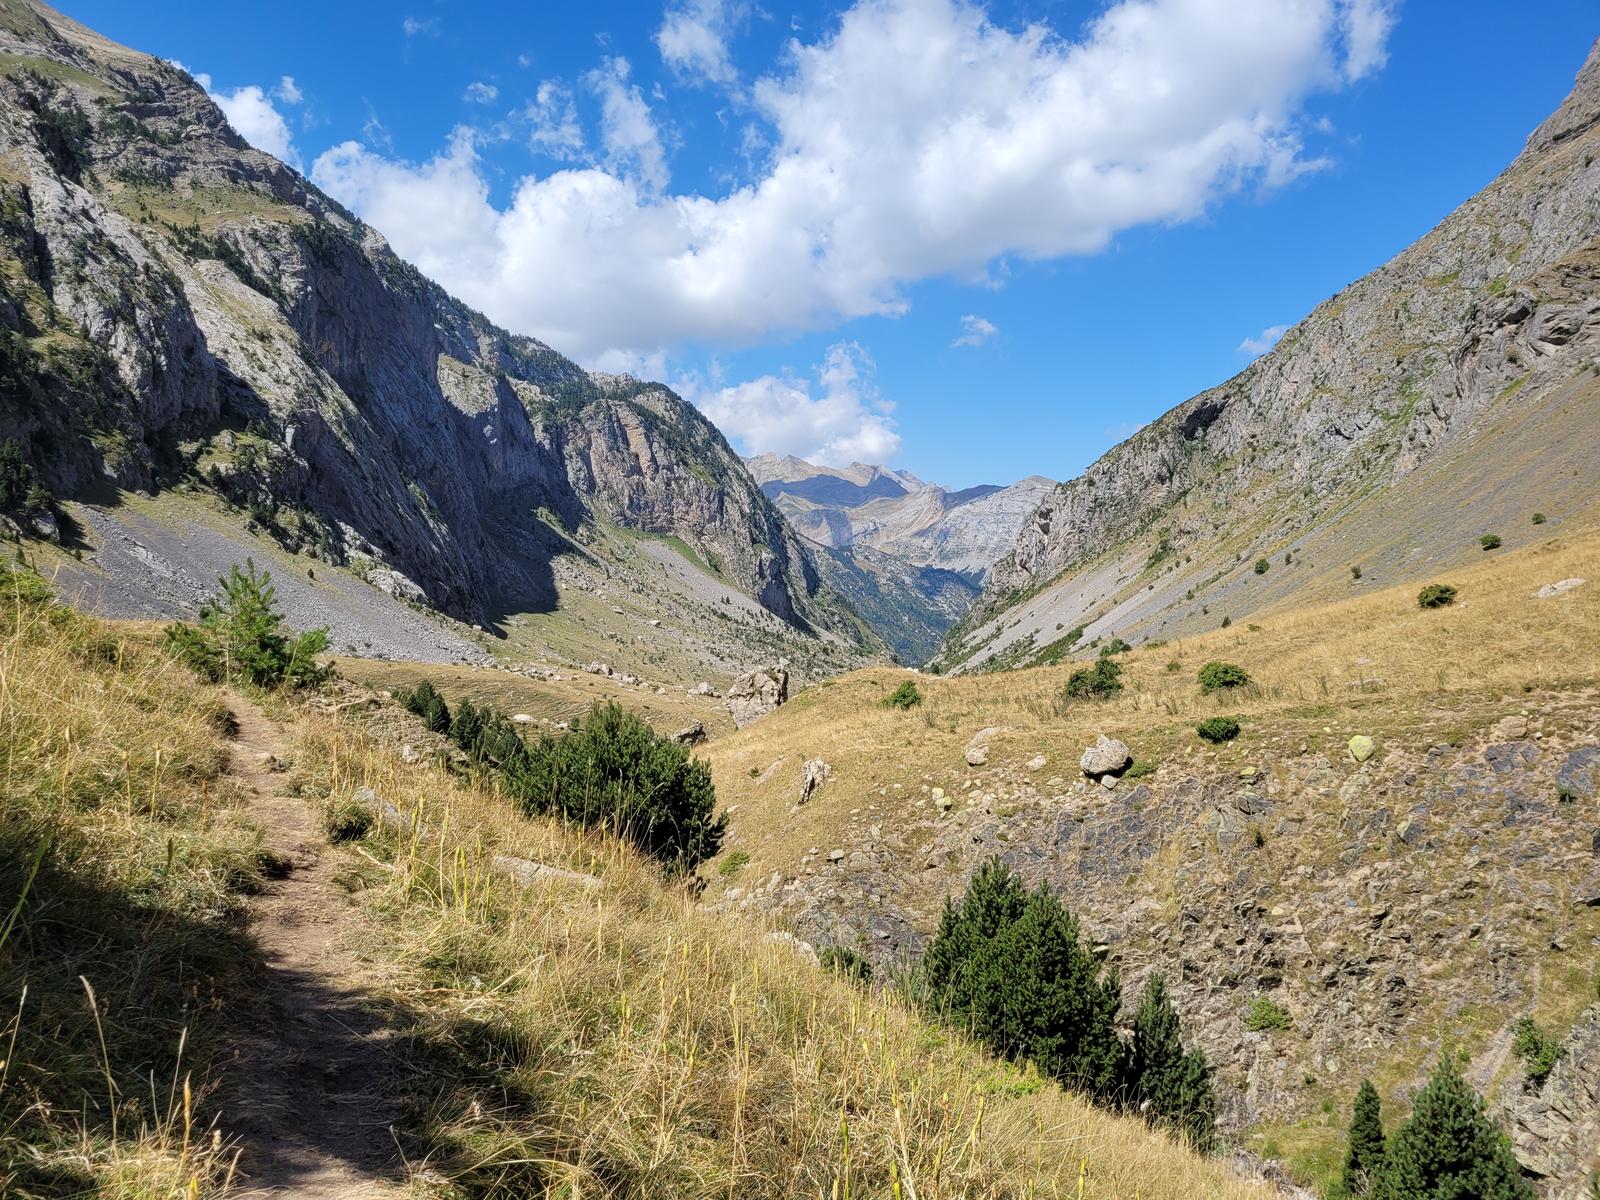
(976, 241)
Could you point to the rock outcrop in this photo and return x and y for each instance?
(757, 692)
(1555, 1126)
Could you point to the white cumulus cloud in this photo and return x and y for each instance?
(481, 93)
(1263, 341)
(552, 118)
(836, 418)
(916, 139)
(975, 330)
(693, 39)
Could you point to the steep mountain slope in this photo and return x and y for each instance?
(1448, 394)
(179, 308)
(1319, 916)
(910, 607)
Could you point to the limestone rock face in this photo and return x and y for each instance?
(223, 321)
(1555, 1128)
(757, 692)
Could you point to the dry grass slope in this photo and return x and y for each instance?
(1376, 664)
(620, 1041)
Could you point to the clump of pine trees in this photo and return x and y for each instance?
(611, 770)
(1009, 965)
(1448, 1149)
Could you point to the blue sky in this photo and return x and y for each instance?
(978, 242)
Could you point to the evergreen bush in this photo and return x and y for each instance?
(1436, 595)
(903, 697)
(1449, 1149)
(1490, 541)
(1007, 965)
(1171, 1086)
(842, 960)
(1364, 1148)
(1538, 1050)
(241, 636)
(1218, 729)
(1218, 676)
(1262, 566)
(1098, 682)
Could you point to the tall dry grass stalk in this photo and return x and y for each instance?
(120, 873)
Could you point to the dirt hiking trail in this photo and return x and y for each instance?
(303, 1089)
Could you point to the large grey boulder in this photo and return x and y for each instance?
(815, 773)
(757, 692)
(1107, 756)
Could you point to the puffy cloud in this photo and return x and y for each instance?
(975, 331)
(1263, 341)
(627, 129)
(1365, 25)
(835, 419)
(553, 122)
(917, 139)
(255, 118)
(481, 93)
(693, 39)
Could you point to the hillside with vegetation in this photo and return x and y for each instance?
(1350, 837)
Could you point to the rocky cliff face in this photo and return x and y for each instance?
(1409, 380)
(898, 514)
(180, 307)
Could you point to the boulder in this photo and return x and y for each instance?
(977, 755)
(1037, 763)
(690, 735)
(757, 692)
(813, 775)
(1107, 756)
(1362, 747)
(526, 872)
(1551, 590)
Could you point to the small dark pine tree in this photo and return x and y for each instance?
(1364, 1154)
(1007, 964)
(1169, 1086)
(241, 635)
(1098, 682)
(1449, 1149)
(430, 706)
(903, 697)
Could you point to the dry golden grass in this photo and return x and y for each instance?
(622, 1041)
(121, 863)
(1375, 664)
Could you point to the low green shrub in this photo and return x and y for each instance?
(1218, 729)
(1539, 518)
(1140, 768)
(1218, 676)
(1265, 1015)
(1262, 566)
(1436, 595)
(1098, 682)
(903, 697)
(241, 636)
(346, 820)
(732, 863)
(1490, 541)
(1538, 1050)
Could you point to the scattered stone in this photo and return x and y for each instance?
(1109, 782)
(598, 668)
(410, 755)
(1551, 590)
(703, 689)
(690, 735)
(977, 756)
(804, 949)
(835, 856)
(522, 718)
(1510, 729)
(1037, 763)
(1107, 756)
(757, 692)
(1362, 747)
(526, 872)
(813, 775)
(1587, 893)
